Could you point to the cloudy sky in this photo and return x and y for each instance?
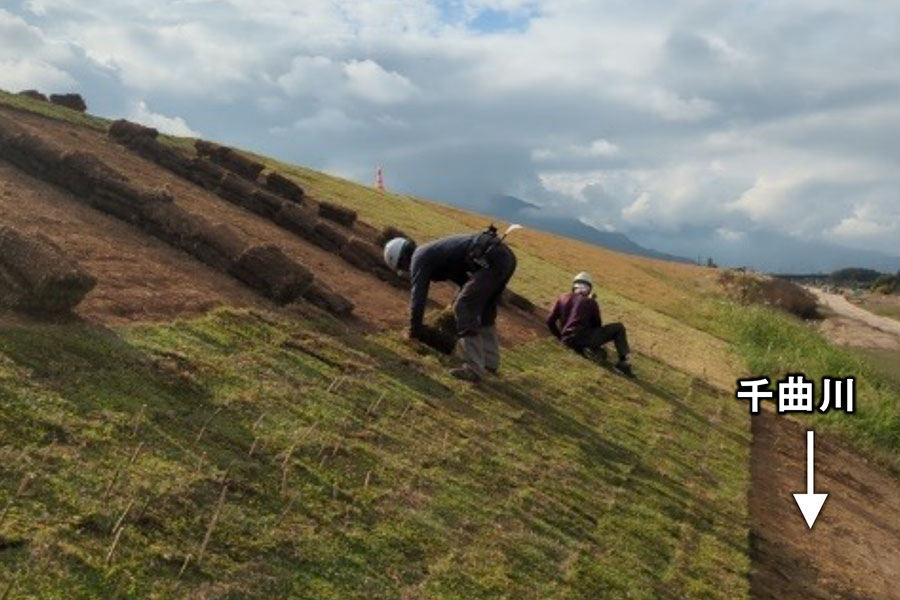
(656, 118)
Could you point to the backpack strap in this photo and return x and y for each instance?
(481, 246)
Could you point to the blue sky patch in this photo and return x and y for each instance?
(490, 21)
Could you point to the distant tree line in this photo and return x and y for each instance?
(855, 275)
(876, 281)
(887, 284)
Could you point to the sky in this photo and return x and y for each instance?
(661, 119)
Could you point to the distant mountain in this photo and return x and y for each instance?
(510, 208)
(770, 252)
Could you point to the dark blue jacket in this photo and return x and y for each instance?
(441, 260)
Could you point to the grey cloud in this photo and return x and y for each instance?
(703, 101)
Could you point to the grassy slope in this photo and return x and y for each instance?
(561, 481)
(776, 344)
(671, 309)
(675, 313)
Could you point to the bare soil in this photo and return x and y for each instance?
(849, 325)
(852, 551)
(142, 279)
(139, 278)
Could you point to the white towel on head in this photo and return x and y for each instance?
(581, 288)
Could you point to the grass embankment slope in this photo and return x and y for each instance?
(244, 454)
(676, 314)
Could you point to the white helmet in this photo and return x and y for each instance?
(584, 277)
(393, 252)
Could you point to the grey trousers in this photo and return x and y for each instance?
(482, 350)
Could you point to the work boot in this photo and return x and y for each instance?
(624, 367)
(466, 374)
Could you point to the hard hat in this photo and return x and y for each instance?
(393, 252)
(584, 277)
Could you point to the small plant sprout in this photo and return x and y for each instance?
(212, 524)
(290, 452)
(206, 424)
(138, 419)
(122, 518)
(374, 405)
(9, 587)
(258, 422)
(368, 479)
(134, 455)
(23, 486)
(336, 384)
(287, 509)
(184, 565)
(405, 409)
(111, 484)
(113, 546)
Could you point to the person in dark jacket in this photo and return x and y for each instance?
(575, 319)
(481, 265)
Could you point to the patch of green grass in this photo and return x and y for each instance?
(67, 115)
(374, 474)
(886, 362)
(54, 111)
(775, 344)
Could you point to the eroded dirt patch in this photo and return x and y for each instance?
(853, 551)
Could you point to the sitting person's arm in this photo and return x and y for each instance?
(596, 320)
(553, 321)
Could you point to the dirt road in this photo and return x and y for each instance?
(855, 326)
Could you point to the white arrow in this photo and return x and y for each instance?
(810, 503)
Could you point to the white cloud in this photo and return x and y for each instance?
(28, 59)
(321, 77)
(368, 80)
(873, 224)
(730, 234)
(171, 125)
(17, 75)
(672, 107)
(310, 76)
(600, 148)
(668, 115)
(327, 120)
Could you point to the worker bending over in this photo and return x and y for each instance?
(581, 326)
(481, 265)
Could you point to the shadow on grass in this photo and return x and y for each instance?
(96, 372)
(673, 497)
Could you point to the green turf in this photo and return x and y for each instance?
(562, 480)
(775, 344)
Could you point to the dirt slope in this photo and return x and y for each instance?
(377, 305)
(852, 551)
(139, 277)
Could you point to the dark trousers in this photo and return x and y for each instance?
(597, 336)
(475, 306)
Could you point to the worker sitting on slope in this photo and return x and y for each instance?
(582, 329)
(481, 265)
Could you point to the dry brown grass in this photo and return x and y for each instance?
(780, 293)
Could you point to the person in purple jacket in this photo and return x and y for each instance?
(575, 319)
